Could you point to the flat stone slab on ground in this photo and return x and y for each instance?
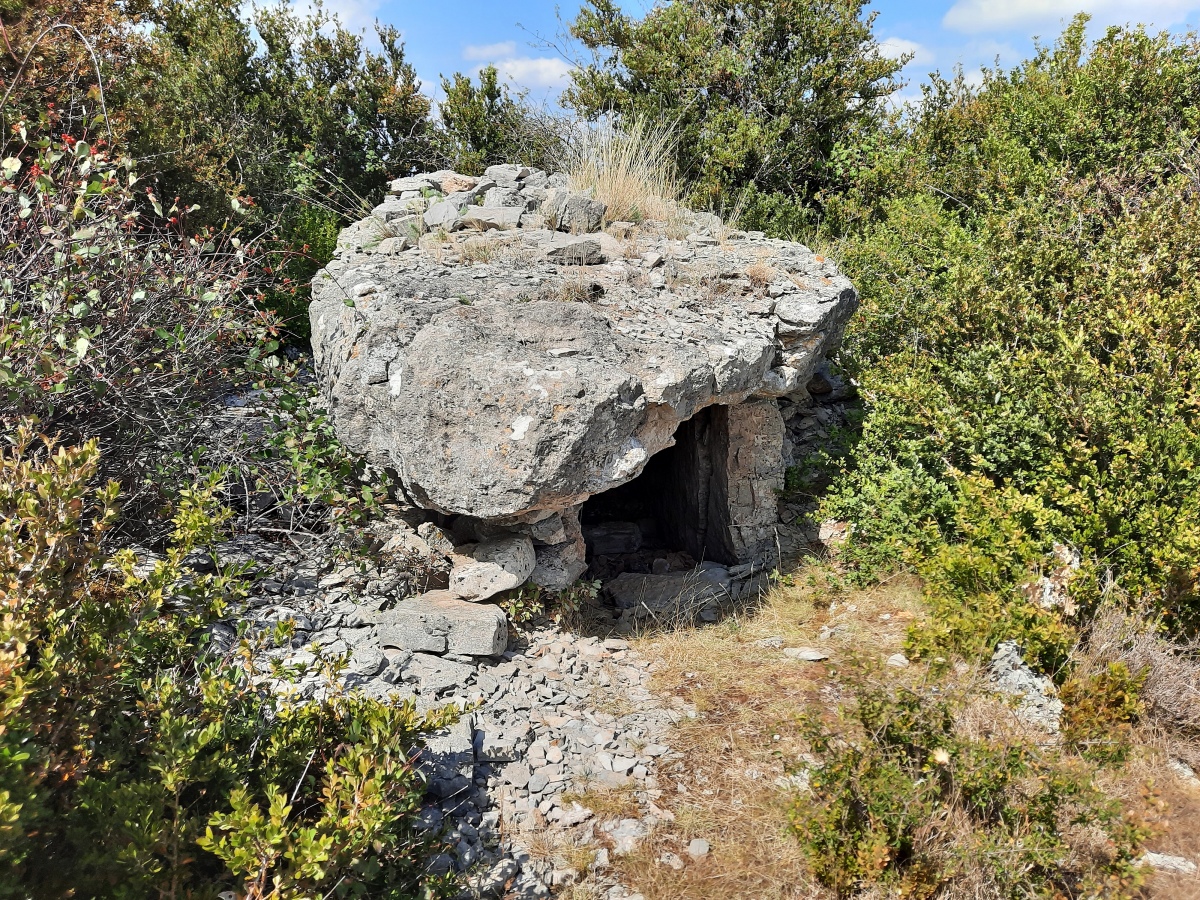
(440, 622)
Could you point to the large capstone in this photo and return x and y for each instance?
(509, 373)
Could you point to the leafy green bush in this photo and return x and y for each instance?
(220, 101)
(899, 799)
(487, 125)
(531, 602)
(1027, 341)
(757, 91)
(306, 241)
(139, 757)
(306, 469)
(1099, 710)
(118, 324)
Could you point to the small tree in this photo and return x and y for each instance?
(761, 92)
(488, 124)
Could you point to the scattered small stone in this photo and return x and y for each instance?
(1183, 770)
(805, 654)
(698, 848)
(1162, 862)
(1037, 701)
(626, 835)
(898, 661)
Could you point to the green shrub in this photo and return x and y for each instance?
(139, 758)
(488, 125)
(973, 585)
(755, 91)
(531, 602)
(1026, 256)
(118, 324)
(308, 472)
(1099, 710)
(306, 241)
(900, 800)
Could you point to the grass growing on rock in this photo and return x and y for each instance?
(630, 168)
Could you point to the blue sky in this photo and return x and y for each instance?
(462, 35)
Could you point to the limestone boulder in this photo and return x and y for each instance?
(441, 622)
(514, 388)
(484, 570)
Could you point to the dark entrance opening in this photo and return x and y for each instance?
(672, 516)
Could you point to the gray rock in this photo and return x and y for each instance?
(1163, 862)
(626, 835)
(450, 749)
(484, 570)
(560, 565)
(439, 622)
(698, 848)
(574, 213)
(897, 661)
(573, 250)
(436, 675)
(367, 660)
(429, 182)
(499, 197)
(494, 882)
(506, 174)
(1038, 703)
(445, 374)
(805, 654)
(444, 215)
(502, 219)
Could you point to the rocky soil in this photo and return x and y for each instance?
(551, 714)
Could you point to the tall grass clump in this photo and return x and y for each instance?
(630, 166)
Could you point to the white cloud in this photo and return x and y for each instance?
(535, 72)
(896, 47)
(489, 51)
(538, 74)
(975, 16)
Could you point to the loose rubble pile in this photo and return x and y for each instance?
(510, 361)
(541, 721)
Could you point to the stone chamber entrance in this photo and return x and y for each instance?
(709, 499)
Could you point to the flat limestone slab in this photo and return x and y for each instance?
(439, 622)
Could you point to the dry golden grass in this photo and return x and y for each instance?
(761, 273)
(1171, 691)
(729, 785)
(630, 168)
(748, 697)
(575, 286)
(478, 250)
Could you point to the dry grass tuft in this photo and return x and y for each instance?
(1171, 691)
(575, 286)
(761, 274)
(479, 250)
(630, 168)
